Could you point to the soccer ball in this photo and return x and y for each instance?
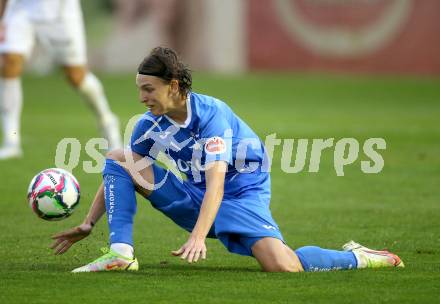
(53, 194)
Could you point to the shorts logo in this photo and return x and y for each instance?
(269, 227)
(215, 145)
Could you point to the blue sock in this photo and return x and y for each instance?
(314, 258)
(120, 202)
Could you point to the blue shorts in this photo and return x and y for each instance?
(241, 220)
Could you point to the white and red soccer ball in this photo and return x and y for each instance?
(53, 194)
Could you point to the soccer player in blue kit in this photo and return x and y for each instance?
(227, 191)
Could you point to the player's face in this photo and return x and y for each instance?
(155, 93)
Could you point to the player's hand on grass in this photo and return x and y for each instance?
(192, 250)
(64, 240)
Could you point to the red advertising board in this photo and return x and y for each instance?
(388, 36)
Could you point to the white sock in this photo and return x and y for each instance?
(123, 249)
(11, 102)
(362, 261)
(93, 92)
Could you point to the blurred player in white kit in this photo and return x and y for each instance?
(58, 26)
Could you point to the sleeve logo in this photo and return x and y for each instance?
(215, 145)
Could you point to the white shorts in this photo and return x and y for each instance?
(62, 35)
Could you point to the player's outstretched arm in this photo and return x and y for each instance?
(195, 247)
(64, 240)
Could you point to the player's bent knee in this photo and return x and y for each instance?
(75, 74)
(280, 263)
(142, 175)
(275, 256)
(116, 154)
(127, 157)
(12, 65)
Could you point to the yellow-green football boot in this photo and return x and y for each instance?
(369, 258)
(110, 261)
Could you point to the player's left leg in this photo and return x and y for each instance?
(92, 90)
(245, 226)
(274, 256)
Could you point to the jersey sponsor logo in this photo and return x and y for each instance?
(215, 145)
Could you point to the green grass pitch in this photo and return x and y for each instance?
(398, 208)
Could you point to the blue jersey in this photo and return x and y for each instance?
(212, 132)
